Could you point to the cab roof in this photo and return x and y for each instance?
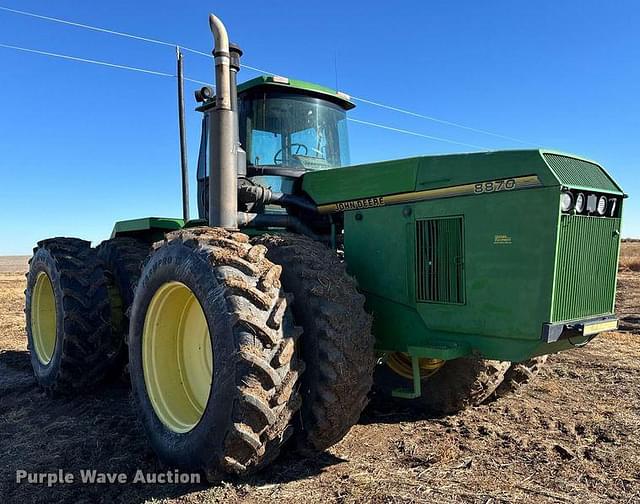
(337, 97)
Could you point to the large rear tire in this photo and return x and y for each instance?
(458, 384)
(68, 316)
(337, 345)
(122, 259)
(212, 353)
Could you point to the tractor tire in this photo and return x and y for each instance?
(458, 384)
(68, 316)
(212, 357)
(520, 374)
(122, 259)
(337, 345)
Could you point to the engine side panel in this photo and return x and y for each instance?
(505, 269)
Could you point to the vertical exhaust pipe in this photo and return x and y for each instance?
(223, 185)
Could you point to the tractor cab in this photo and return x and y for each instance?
(287, 128)
(292, 124)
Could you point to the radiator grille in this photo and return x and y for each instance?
(440, 260)
(586, 267)
(578, 173)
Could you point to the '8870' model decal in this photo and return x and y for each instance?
(476, 188)
(495, 186)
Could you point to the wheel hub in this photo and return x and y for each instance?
(43, 318)
(177, 357)
(400, 363)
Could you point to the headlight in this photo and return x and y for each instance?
(602, 205)
(566, 201)
(580, 201)
(592, 203)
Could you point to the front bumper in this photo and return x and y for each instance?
(579, 328)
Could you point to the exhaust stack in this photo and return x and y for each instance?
(223, 145)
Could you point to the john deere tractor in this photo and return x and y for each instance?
(264, 322)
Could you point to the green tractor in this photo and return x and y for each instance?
(446, 280)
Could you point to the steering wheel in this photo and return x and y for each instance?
(277, 159)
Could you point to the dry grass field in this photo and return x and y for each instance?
(572, 436)
(630, 256)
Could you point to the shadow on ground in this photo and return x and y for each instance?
(630, 323)
(97, 431)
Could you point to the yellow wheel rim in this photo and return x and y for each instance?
(400, 363)
(177, 358)
(43, 318)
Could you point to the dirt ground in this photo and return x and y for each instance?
(572, 436)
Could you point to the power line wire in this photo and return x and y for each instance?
(103, 63)
(259, 70)
(164, 74)
(200, 82)
(86, 60)
(121, 34)
(255, 69)
(408, 132)
(87, 27)
(441, 121)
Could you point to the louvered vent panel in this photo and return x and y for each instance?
(578, 173)
(440, 260)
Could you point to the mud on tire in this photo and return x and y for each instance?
(254, 390)
(521, 374)
(79, 315)
(337, 345)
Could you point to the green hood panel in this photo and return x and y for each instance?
(433, 172)
(362, 181)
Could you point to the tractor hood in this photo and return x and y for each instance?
(430, 177)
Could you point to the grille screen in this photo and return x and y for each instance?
(578, 173)
(586, 267)
(440, 260)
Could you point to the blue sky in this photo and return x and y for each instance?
(82, 145)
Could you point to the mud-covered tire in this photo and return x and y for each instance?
(520, 374)
(337, 345)
(83, 337)
(122, 259)
(458, 384)
(254, 392)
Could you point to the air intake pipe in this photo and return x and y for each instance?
(223, 145)
(241, 155)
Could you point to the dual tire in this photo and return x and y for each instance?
(77, 310)
(337, 343)
(211, 350)
(122, 259)
(255, 300)
(68, 316)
